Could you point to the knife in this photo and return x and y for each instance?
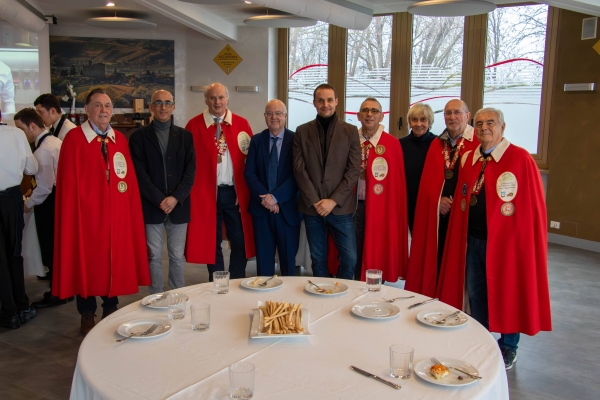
(421, 303)
(369, 375)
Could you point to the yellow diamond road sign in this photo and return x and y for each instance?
(228, 59)
(597, 47)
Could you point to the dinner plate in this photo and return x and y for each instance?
(257, 325)
(422, 371)
(375, 310)
(331, 288)
(272, 284)
(428, 316)
(159, 304)
(142, 325)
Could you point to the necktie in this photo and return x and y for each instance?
(103, 146)
(52, 130)
(218, 129)
(273, 164)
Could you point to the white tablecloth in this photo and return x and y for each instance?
(185, 364)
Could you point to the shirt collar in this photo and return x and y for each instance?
(497, 152)
(375, 138)
(90, 133)
(37, 139)
(279, 135)
(55, 124)
(209, 119)
(467, 134)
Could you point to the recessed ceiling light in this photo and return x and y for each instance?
(247, 2)
(110, 4)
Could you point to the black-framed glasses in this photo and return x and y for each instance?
(455, 112)
(278, 114)
(373, 111)
(160, 103)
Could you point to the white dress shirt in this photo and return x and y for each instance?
(67, 126)
(225, 167)
(15, 156)
(45, 178)
(7, 89)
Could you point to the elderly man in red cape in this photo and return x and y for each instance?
(498, 239)
(102, 245)
(441, 172)
(220, 193)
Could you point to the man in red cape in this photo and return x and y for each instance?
(101, 250)
(220, 193)
(498, 239)
(436, 191)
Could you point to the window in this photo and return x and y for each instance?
(436, 63)
(516, 38)
(307, 69)
(368, 61)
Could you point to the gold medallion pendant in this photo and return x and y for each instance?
(380, 149)
(448, 174)
(219, 159)
(473, 200)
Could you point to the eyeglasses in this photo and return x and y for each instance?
(373, 111)
(160, 103)
(455, 112)
(278, 114)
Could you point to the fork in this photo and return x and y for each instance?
(472, 376)
(398, 298)
(443, 321)
(317, 286)
(145, 333)
(162, 297)
(265, 282)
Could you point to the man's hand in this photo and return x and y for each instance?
(274, 209)
(28, 194)
(324, 207)
(26, 209)
(168, 204)
(445, 205)
(268, 201)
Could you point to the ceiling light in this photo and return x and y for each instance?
(247, 2)
(279, 21)
(110, 4)
(451, 8)
(119, 23)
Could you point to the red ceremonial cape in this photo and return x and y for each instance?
(421, 273)
(202, 228)
(517, 245)
(102, 245)
(386, 222)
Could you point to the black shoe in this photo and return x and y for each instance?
(43, 278)
(510, 357)
(10, 322)
(26, 315)
(50, 301)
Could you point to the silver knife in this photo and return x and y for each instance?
(421, 303)
(369, 375)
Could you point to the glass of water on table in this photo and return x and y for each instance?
(373, 280)
(221, 282)
(176, 305)
(241, 380)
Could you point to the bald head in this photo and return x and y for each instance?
(162, 94)
(216, 97)
(275, 116)
(456, 116)
(162, 105)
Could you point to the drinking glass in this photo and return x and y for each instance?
(177, 305)
(401, 360)
(200, 316)
(374, 280)
(241, 380)
(221, 282)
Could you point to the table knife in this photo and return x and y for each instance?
(369, 375)
(421, 303)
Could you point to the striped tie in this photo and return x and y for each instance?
(273, 164)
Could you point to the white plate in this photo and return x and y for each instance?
(257, 325)
(272, 284)
(375, 310)
(159, 304)
(329, 286)
(142, 325)
(428, 316)
(422, 371)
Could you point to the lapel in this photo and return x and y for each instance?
(174, 139)
(336, 127)
(151, 133)
(265, 138)
(286, 145)
(313, 132)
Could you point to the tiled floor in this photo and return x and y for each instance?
(37, 360)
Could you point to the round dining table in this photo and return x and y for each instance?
(188, 364)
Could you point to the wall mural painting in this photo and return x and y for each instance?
(125, 68)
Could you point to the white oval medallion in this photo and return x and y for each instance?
(507, 186)
(379, 168)
(243, 142)
(120, 164)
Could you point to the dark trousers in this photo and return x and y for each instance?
(229, 211)
(477, 287)
(442, 229)
(88, 304)
(44, 225)
(359, 227)
(272, 231)
(12, 279)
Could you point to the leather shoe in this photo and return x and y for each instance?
(50, 301)
(26, 315)
(87, 322)
(10, 322)
(106, 313)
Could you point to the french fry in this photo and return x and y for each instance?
(281, 318)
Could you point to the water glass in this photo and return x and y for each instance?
(401, 360)
(221, 282)
(241, 380)
(177, 305)
(200, 316)
(374, 280)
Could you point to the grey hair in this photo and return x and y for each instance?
(421, 109)
(212, 85)
(496, 111)
(371, 98)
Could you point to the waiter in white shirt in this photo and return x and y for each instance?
(58, 124)
(17, 159)
(7, 89)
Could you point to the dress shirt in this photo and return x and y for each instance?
(45, 178)
(7, 89)
(279, 142)
(16, 157)
(362, 183)
(225, 167)
(66, 127)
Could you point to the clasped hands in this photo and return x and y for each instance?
(445, 205)
(168, 204)
(269, 203)
(324, 207)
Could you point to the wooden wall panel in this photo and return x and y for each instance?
(400, 70)
(336, 72)
(473, 61)
(282, 64)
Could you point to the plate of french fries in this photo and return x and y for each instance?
(279, 319)
(255, 283)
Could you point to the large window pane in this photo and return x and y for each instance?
(514, 67)
(368, 67)
(308, 69)
(436, 63)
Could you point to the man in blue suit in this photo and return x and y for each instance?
(273, 193)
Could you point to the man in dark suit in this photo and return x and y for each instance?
(326, 168)
(273, 193)
(165, 163)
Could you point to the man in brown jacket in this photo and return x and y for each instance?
(326, 168)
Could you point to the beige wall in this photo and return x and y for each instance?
(573, 196)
